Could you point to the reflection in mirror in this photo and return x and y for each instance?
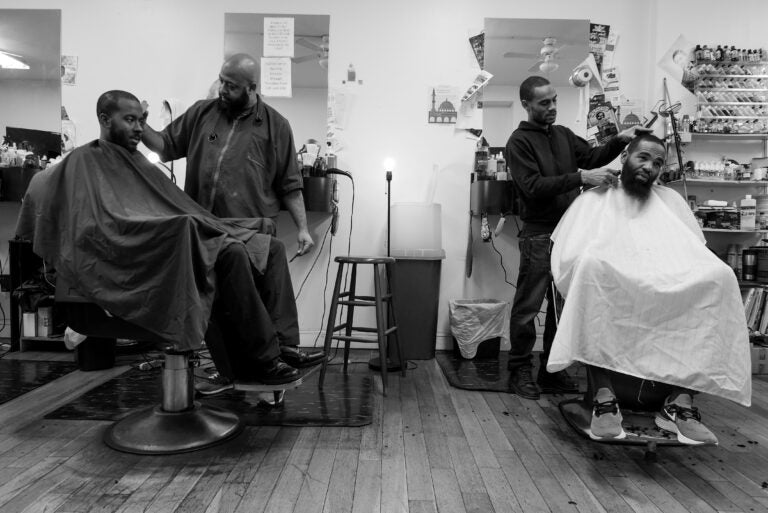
(30, 94)
(518, 48)
(306, 110)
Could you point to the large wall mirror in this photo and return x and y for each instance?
(30, 78)
(518, 48)
(306, 109)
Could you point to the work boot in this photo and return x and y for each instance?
(521, 381)
(555, 382)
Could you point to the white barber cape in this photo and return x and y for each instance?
(646, 297)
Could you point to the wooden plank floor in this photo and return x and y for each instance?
(431, 448)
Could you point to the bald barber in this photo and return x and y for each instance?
(241, 158)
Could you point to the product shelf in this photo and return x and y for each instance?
(724, 75)
(728, 230)
(725, 135)
(730, 89)
(724, 183)
(704, 103)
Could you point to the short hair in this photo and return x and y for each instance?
(107, 103)
(644, 137)
(529, 84)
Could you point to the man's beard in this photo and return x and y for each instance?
(640, 191)
(234, 107)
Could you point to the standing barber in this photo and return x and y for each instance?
(241, 162)
(549, 164)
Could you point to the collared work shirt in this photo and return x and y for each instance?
(239, 167)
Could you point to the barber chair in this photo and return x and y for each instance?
(179, 424)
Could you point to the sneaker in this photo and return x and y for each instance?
(606, 421)
(521, 381)
(555, 382)
(213, 383)
(685, 423)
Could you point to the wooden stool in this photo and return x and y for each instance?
(383, 329)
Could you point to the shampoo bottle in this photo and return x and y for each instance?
(747, 212)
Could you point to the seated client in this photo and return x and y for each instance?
(646, 298)
(129, 240)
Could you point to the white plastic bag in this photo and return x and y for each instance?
(476, 320)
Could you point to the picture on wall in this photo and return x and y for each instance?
(443, 101)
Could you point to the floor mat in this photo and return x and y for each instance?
(344, 401)
(490, 374)
(17, 377)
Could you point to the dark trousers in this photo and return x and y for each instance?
(534, 283)
(253, 313)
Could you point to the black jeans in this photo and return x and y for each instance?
(253, 314)
(534, 283)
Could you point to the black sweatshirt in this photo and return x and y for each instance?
(545, 164)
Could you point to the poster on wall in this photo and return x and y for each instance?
(276, 77)
(443, 101)
(68, 69)
(630, 112)
(678, 61)
(278, 37)
(601, 121)
(598, 36)
(478, 47)
(480, 80)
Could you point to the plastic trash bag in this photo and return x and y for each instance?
(476, 320)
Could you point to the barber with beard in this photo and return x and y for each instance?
(549, 165)
(241, 163)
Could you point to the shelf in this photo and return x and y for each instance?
(55, 338)
(727, 230)
(726, 183)
(727, 76)
(706, 103)
(730, 89)
(733, 117)
(719, 135)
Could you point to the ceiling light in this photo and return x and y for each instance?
(11, 61)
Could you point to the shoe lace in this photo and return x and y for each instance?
(683, 412)
(216, 378)
(609, 407)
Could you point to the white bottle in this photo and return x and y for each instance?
(747, 211)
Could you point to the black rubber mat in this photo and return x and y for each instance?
(344, 401)
(490, 374)
(17, 377)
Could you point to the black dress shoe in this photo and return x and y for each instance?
(556, 382)
(277, 372)
(295, 357)
(521, 382)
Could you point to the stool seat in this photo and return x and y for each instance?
(364, 260)
(386, 325)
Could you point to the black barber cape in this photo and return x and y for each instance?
(132, 242)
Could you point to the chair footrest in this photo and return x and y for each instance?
(364, 329)
(256, 386)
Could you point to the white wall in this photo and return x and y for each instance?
(399, 48)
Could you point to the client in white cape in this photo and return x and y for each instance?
(645, 297)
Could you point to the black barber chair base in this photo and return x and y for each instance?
(154, 431)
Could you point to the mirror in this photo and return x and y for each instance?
(518, 48)
(306, 110)
(30, 79)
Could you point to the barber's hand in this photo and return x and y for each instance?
(144, 111)
(599, 176)
(305, 242)
(632, 132)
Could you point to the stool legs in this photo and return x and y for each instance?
(330, 325)
(380, 327)
(390, 280)
(350, 314)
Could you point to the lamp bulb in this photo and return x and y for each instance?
(153, 157)
(389, 164)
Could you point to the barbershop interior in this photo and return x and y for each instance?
(410, 277)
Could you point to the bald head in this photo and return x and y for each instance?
(239, 79)
(243, 67)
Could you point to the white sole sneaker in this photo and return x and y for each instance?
(671, 426)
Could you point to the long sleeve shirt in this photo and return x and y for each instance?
(544, 166)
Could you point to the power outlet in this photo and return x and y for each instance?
(5, 282)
